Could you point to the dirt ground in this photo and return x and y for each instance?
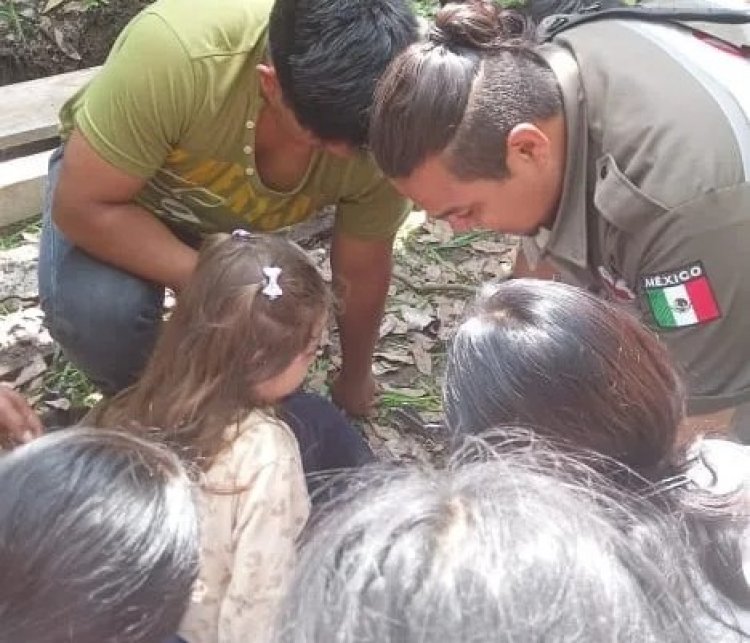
(45, 37)
(436, 275)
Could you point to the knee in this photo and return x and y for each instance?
(92, 299)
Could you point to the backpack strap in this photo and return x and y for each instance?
(556, 24)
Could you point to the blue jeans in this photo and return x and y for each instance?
(106, 320)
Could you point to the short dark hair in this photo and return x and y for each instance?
(560, 359)
(585, 374)
(98, 540)
(462, 91)
(526, 545)
(328, 55)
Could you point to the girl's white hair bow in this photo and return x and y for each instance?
(271, 289)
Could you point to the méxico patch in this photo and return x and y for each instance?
(681, 298)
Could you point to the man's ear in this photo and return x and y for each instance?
(527, 144)
(269, 82)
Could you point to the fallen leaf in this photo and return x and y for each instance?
(51, 4)
(415, 318)
(64, 45)
(394, 356)
(492, 247)
(76, 6)
(422, 359)
(30, 371)
(62, 404)
(499, 269)
(433, 272)
(383, 368)
(405, 391)
(392, 325)
(474, 267)
(439, 229)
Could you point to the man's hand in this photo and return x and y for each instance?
(362, 274)
(355, 395)
(18, 421)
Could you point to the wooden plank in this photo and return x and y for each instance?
(29, 110)
(22, 187)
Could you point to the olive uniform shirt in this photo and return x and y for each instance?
(177, 102)
(655, 208)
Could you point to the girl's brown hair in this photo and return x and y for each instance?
(224, 338)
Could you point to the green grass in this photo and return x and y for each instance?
(426, 8)
(12, 18)
(424, 402)
(12, 236)
(65, 380)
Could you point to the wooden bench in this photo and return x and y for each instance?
(28, 134)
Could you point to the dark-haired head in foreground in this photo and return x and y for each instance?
(527, 545)
(584, 374)
(98, 540)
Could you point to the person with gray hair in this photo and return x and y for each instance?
(519, 543)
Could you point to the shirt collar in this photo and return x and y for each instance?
(567, 239)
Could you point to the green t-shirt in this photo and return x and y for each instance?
(176, 102)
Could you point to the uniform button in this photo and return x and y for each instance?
(603, 172)
(249, 171)
(250, 125)
(248, 149)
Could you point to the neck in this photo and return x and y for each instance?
(555, 130)
(272, 134)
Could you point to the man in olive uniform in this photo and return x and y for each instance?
(670, 242)
(624, 162)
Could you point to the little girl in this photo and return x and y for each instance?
(240, 340)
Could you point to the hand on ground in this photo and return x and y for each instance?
(355, 395)
(18, 421)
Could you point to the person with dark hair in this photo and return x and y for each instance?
(584, 375)
(222, 388)
(525, 544)
(627, 173)
(211, 116)
(98, 540)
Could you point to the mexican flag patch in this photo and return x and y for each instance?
(681, 298)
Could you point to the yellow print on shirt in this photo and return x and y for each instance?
(210, 196)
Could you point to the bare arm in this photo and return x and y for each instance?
(363, 268)
(94, 209)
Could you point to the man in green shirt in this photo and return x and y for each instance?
(208, 117)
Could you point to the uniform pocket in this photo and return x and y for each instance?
(619, 200)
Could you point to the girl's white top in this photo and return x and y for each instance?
(253, 506)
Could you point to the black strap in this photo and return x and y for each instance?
(557, 24)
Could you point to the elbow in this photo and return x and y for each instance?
(73, 218)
